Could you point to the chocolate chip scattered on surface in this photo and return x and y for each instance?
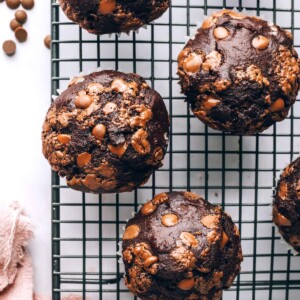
(21, 16)
(286, 205)
(21, 34)
(28, 4)
(240, 74)
(13, 4)
(106, 133)
(9, 47)
(47, 41)
(14, 24)
(109, 16)
(179, 246)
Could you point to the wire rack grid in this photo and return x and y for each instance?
(237, 173)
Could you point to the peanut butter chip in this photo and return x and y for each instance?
(169, 220)
(64, 138)
(83, 101)
(99, 132)
(192, 63)
(131, 232)
(83, 159)
(225, 240)
(283, 221)
(160, 198)
(260, 42)
(107, 6)
(221, 33)
(148, 208)
(209, 103)
(119, 85)
(278, 105)
(186, 284)
(150, 261)
(188, 239)
(191, 196)
(109, 108)
(118, 150)
(210, 221)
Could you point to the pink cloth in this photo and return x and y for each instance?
(15, 231)
(22, 287)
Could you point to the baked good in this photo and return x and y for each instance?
(106, 133)
(286, 204)
(240, 74)
(109, 16)
(179, 246)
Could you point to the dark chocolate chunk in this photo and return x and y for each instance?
(106, 133)
(240, 74)
(179, 246)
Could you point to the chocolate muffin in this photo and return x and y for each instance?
(179, 246)
(106, 133)
(286, 205)
(240, 74)
(109, 16)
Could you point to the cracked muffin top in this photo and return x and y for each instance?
(240, 74)
(109, 16)
(179, 246)
(106, 133)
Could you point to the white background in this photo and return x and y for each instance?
(25, 90)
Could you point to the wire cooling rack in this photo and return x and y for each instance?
(236, 172)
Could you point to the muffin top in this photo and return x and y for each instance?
(179, 246)
(107, 132)
(109, 16)
(240, 74)
(286, 205)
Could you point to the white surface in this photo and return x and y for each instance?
(25, 90)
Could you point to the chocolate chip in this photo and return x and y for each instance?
(107, 6)
(225, 240)
(21, 16)
(260, 42)
(131, 232)
(64, 138)
(118, 150)
(278, 105)
(193, 63)
(148, 208)
(83, 159)
(28, 4)
(14, 24)
(47, 41)
(188, 239)
(210, 221)
(169, 220)
(9, 47)
(186, 284)
(150, 261)
(281, 220)
(221, 33)
(99, 132)
(83, 101)
(13, 4)
(21, 34)
(209, 103)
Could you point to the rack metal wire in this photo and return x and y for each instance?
(236, 172)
